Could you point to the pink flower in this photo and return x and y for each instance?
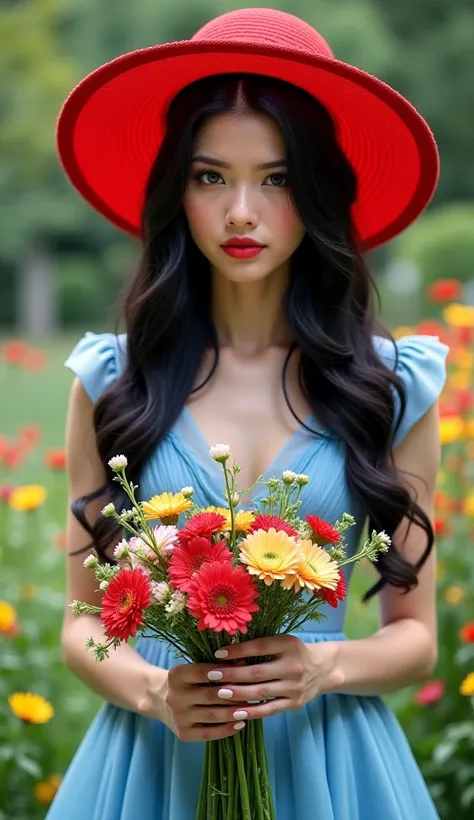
(430, 693)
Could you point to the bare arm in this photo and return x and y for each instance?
(125, 679)
(404, 650)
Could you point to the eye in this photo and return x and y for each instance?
(278, 180)
(208, 177)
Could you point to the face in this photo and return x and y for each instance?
(237, 190)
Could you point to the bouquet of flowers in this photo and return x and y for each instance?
(225, 575)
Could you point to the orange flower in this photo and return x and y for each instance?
(467, 632)
(28, 497)
(55, 459)
(8, 620)
(35, 361)
(30, 707)
(440, 526)
(45, 791)
(444, 290)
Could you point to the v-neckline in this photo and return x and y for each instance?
(195, 442)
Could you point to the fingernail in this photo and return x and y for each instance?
(240, 714)
(215, 675)
(221, 653)
(239, 726)
(225, 693)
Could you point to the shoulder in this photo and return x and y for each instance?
(420, 363)
(98, 359)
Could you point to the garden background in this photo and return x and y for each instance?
(61, 267)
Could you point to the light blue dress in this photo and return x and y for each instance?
(341, 757)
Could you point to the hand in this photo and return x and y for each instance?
(296, 673)
(190, 706)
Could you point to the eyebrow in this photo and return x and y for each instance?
(275, 163)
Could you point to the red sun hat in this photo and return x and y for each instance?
(111, 125)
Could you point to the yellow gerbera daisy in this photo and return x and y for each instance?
(7, 617)
(166, 507)
(271, 555)
(243, 519)
(28, 497)
(30, 708)
(316, 569)
(467, 686)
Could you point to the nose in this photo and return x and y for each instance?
(241, 210)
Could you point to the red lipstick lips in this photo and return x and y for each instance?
(242, 247)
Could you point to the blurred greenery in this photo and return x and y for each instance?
(46, 46)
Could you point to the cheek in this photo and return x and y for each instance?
(287, 228)
(199, 218)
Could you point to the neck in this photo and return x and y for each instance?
(248, 316)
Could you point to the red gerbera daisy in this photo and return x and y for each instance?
(188, 558)
(204, 524)
(265, 522)
(222, 597)
(124, 602)
(323, 531)
(334, 596)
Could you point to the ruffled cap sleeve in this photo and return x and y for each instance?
(420, 362)
(97, 359)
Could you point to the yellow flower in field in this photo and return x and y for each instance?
(316, 570)
(463, 358)
(469, 428)
(451, 429)
(403, 330)
(469, 504)
(440, 570)
(7, 617)
(461, 380)
(456, 315)
(454, 595)
(270, 555)
(28, 497)
(243, 519)
(30, 708)
(44, 792)
(166, 507)
(467, 686)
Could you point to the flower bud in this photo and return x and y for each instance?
(220, 452)
(302, 479)
(118, 463)
(187, 492)
(103, 585)
(235, 499)
(91, 562)
(289, 476)
(109, 510)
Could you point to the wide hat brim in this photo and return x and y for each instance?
(111, 126)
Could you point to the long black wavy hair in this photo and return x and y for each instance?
(329, 308)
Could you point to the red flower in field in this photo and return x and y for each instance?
(202, 524)
(124, 602)
(440, 526)
(13, 457)
(265, 522)
(430, 693)
(334, 596)
(55, 459)
(30, 434)
(189, 557)
(467, 632)
(445, 290)
(5, 492)
(323, 531)
(15, 351)
(222, 597)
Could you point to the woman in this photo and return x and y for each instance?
(255, 168)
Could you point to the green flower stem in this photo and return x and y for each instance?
(201, 813)
(231, 784)
(223, 780)
(212, 804)
(269, 808)
(244, 795)
(256, 772)
(231, 506)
